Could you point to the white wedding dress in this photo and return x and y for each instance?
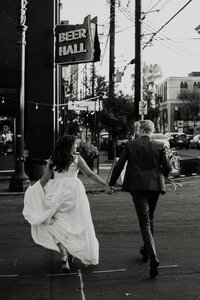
(60, 212)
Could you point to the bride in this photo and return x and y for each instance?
(58, 209)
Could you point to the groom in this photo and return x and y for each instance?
(147, 164)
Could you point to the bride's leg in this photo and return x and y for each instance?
(64, 258)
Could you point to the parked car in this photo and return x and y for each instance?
(179, 140)
(162, 138)
(104, 141)
(170, 135)
(189, 136)
(195, 142)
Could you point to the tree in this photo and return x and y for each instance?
(72, 123)
(151, 73)
(102, 88)
(92, 120)
(117, 115)
(191, 104)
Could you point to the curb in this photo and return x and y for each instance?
(99, 191)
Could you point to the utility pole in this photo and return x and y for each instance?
(93, 92)
(112, 143)
(20, 181)
(96, 130)
(112, 50)
(93, 78)
(138, 84)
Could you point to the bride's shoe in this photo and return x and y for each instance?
(65, 264)
(64, 258)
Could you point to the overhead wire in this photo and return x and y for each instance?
(172, 45)
(149, 11)
(159, 10)
(105, 28)
(106, 44)
(108, 35)
(149, 5)
(155, 5)
(125, 12)
(155, 33)
(178, 51)
(165, 41)
(173, 42)
(125, 29)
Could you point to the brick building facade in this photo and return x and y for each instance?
(40, 75)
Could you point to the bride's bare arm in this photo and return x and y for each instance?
(47, 173)
(88, 172)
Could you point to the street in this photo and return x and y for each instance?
(31, 272)
(92, 70)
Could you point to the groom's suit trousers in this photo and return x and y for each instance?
(145, 204)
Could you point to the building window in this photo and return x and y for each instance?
(183, 85)
(165, 91)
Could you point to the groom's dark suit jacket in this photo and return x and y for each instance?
(147, 163)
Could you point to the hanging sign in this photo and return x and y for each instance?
(77, 44)
(85, 105)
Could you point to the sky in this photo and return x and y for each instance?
(176, 48)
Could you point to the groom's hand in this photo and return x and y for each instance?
(112, 189)
(109, 189)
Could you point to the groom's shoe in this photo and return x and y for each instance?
(144, 254)
(154, 263)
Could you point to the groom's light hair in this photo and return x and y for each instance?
(147, 126)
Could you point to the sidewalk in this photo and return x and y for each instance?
(90, 186)
(190, 166)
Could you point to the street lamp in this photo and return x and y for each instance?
(20, 181)
(176, 116)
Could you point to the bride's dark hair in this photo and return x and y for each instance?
(61, 156)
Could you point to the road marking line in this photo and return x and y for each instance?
(60, 274)
(169, 266)
(109, 271)
(11, 275)
(80, 275)
(65, 274)
(30, 275)
(81, 284)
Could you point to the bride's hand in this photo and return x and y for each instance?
(109, 189)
